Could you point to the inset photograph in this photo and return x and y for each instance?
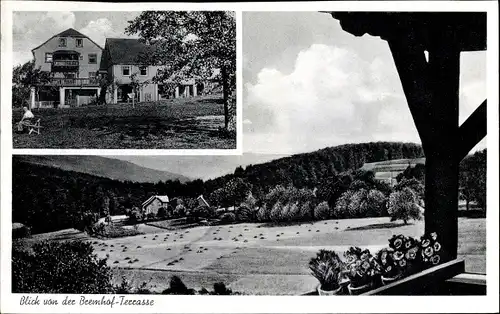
(124, 80)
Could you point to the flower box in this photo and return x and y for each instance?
(423, 281)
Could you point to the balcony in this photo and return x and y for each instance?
(74, 82)
(65, 63)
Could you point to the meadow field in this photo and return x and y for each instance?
(187, 123)
(256, 258)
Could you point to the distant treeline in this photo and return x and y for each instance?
(48, 199)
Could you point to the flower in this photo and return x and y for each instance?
(428, 251)
(398, 243)
(402, 263)
(435, 259)
(365, 265)
(398, 255)
(434, 236)
(437, 247)
(426, 243)
(411, 254)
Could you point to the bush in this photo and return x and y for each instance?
(305, 211)
(262, 214)
(177, 287)
(294, 212)
(162, 213)
(341, 209)
(180, 211)
(60, 267)
(220, 289)
(135, 216)
(245, 213)
(228, 218)
(377, 202)
(322, 211)
(403, 205)
(276, 212)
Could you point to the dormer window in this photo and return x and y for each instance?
(62, 42)
(79, 42)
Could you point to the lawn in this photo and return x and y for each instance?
(190, 123)
(256, 259)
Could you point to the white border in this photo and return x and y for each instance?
(265, 304)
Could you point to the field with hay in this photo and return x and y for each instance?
(254, 258)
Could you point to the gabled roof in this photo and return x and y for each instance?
(124, 50)
(162, 198)
(202, 199)
(70, 32)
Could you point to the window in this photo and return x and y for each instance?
(62, 42)
(92, 75)
(126, 70)
(79, 42)
(144, 70)
(81, 57)
(92, 58)
(48, 57)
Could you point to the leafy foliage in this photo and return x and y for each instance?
(403, 205)
(24, 77)
(190, 44)
(60, 267)
(327, 267)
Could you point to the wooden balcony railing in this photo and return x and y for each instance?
(65, 63)
(74, 82)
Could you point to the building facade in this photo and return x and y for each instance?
(154, 203)
(73, 60)
(77, 65)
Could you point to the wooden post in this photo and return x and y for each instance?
(431, 89)
(441, 177)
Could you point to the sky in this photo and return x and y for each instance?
(32, 28)
(307, 84)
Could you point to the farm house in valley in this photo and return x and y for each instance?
(154, 203)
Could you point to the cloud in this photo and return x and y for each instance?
(332, 96)
(31, 29)
(101, 29)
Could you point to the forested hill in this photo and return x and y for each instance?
(310, 169)
(104, 167)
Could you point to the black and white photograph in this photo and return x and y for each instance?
(363, 175)
(124, 80)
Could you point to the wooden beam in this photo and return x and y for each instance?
(441, 177)
(412, 68)
(423, 282)
(472, 131)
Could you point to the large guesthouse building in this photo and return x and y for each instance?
(78, 66)
(73, 60)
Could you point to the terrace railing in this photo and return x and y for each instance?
(74, 82)
(65, 63)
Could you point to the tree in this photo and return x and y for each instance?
(322, 211)
(190, 44)
(60, 267)
(472, 179)
(403, 205)
(25, 77)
